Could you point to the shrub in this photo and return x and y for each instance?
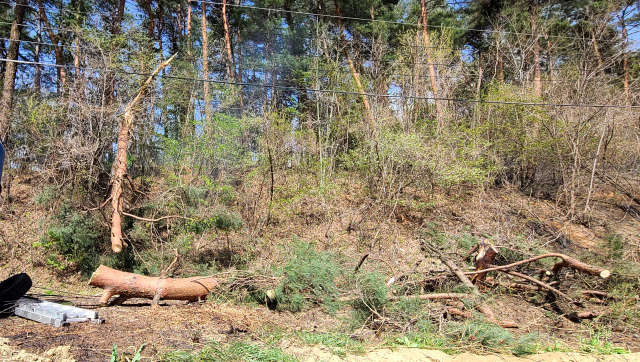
(309, 278)
(373, 296)
(76, 239)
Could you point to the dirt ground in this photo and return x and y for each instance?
(184, 326)
(418, 355)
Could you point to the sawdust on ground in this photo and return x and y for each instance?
(56, 354)
(318, 354)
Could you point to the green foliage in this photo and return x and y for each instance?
(235, 352)
(616, 244)
(125, 356)
(49, 194)
(487, 334)
(526, 345)
(308, 278)
(338, 343)
(599, 343)
(76, 239)
(372, 296)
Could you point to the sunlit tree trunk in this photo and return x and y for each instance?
(120, 174)
(625, 70)
(37, 77)
(537, 80)
(10, 71)
(57, 50)
(205, 68)
(227, 42)
(189, 30)
(430, 65)
(355, 74)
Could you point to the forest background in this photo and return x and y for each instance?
(356, 126)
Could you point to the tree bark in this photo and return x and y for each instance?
(57, 50)
(10, 71)
(37, 78)
(227, 42)
(110, 77)
(537, 80)
(130, 285)
(205, 68)
(355, 74)
(596, 50)
(189, 30)
(624, 56)
(126, 126)
(430, 66)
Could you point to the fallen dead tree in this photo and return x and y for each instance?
(566, 262)
(129, 285)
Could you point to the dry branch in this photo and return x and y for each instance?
(434, 296)
(158, 219)
(453, 267)
(130, 285)
(491, 317)
(484, 309)
(536, 281)
(399, 277)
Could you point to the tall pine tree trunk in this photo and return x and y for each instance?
(57, 50)
(227, 42)
(355, 74)
(431, 67)
(205, 68)
(10, 72)
(624, 61)
(537, 80)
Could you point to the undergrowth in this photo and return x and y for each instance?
(234, 352)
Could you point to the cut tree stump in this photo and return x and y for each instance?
(129, 285)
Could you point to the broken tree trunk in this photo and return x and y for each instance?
(129, 285)
(126, 126)
(486, 254)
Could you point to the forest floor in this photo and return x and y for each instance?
(317, 334)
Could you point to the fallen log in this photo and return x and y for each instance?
(567, 261)
(129, 285)
(577, 316)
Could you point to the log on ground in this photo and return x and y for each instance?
(129, 285)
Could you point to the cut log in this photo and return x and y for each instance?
(576, 264)
(129, 285)
(578, 316)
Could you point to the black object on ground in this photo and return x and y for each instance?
(12, 289)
